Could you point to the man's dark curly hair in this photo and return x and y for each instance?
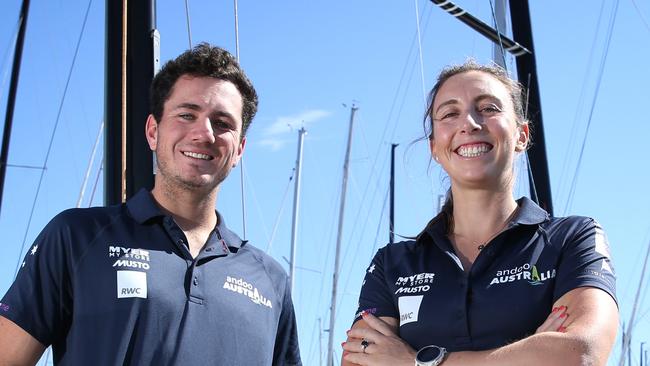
(201, 61)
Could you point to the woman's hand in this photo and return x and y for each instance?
(384, 346)
(555, 322)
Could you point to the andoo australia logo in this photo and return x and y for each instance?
(240, 286)
(525, 272)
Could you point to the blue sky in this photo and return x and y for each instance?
(309, 61)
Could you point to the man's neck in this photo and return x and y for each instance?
(192, 210)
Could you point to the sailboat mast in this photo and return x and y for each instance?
(11, 99)
(391, 225)
(540, 182)
(498, 53)
(296, 208)
(339, 236)
(627, 335)
(132, 58)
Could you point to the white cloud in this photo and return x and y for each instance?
(273, 144)
(290, 123)
(287, 124)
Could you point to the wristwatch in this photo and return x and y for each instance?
(430, 356)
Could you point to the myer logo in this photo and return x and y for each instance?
(242, 287)
(416, 279)
(131, 253)
(414, 284)
(524, 272)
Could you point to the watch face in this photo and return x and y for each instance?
(429, 353)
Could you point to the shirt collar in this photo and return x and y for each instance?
(142, 207)
(231, 239)
(529, 213)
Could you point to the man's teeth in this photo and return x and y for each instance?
(473, 151)
(197, 155)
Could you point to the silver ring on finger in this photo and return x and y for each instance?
(364, 345)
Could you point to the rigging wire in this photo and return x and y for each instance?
(384, 132)
(188, 22)
(571, 147)
(241, 160)
(638, 11)
(277, 218)
(236, 30)
(257, 206)
(610, 31)
(5, 55)
(90, 165)
(99, 173)
(417, 26)
(373, 169)
(56, 124)
(496, 26)
(375, 241)
(328, 253)
(533, 185)
(529, 168)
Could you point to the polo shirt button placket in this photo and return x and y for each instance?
(196, 281)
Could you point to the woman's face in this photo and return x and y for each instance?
(475, 133)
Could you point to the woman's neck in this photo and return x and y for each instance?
(480, 215)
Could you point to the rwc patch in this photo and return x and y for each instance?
(409, 309)
(131, 284)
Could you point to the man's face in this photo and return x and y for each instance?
(198, 141)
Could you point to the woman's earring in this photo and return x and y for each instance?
(435, 157)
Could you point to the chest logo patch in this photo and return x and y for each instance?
(409, 309)
(240, 286)
(525, 272)
(131, 284)
(414, 284)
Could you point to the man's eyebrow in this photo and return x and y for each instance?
(192, 106)
(198, 108)
(448, 102)
(222, 114)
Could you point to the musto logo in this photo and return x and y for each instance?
(525, 272)
(240, 286)
(414, 284)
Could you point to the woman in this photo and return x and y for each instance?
(491, 280)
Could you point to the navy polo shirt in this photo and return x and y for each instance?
(507, 294)
(118, 286)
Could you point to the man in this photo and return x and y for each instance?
(160, 280)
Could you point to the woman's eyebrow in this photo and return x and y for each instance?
(448, 102)
(490, 97)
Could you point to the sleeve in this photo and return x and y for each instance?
(585, 261)
(39, 300)
(286, 351)
(376, 296)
